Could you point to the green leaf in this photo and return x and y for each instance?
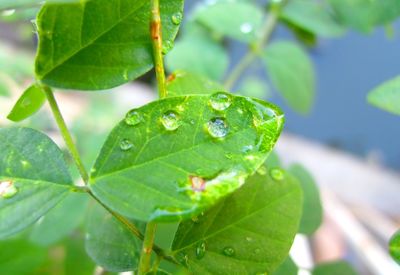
(364, 15)
(287, 268)
(255, 87)
(334, 268)
(197, 52)
(249, 232)
(312, 16)
(185, 83)
(312, 207)
(20, 257)
(273, 160)
(78, 49)
(238, 20)
(77, 262)
(109, 243)
(60, 221)
(387, 96)
(175, 157)
(33, 178)
(29, 103)
(394, 247)
(292, 73)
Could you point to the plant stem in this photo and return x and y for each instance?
(65, 133)
(145, 256)
(254, 50)
(156, 36)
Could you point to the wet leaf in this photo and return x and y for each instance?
(238, 20)
(334, 268)
(292, 73)
(387, 96)
(168, 174)
(109, 243)
(33, 178)
(184, 83)
(60, 221)
(28, 104)
(312, 207)
(394, 247)
(78, 49)
(249, 232)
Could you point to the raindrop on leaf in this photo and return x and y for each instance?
(220, 101)
(200, 250)
(133, 117)
(177, 18)
(277, 174)
(125, 145)
(167, 46)
(217, 127)
(170, 120)
(229, 251)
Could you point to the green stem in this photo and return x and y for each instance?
(156, 36)
(145, 256)
(65, 133)
(266, 32)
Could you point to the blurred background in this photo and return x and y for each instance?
(351, 149)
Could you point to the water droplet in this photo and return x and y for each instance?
(34, 25)
(183, 258)
(192, 121)
(7, 189)
(277, 174)
(262, 170)
(200, 250)
(220, 101)
(198, 184)
(125, 145)
(167, 46)
(177, 18)
(170, 120)
(246, 27)
(229, 251)
(249, 239)
(217, 127)
(133, 117)
(247, 148)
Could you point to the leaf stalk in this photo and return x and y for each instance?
(145, 256)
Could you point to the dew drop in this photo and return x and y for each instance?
(198, 183)
(200, 250)
(262, 170)
(133, 117)
(249, 239)
(7, 189)
(170, 120)
(277, 174)
(246, 27)
(217, 127)
(247, 148)
(229, 251)
(167, 46)
(183, 258)
(125, 145)
(220, 101)
(177, 18)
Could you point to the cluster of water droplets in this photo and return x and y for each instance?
(7, 189)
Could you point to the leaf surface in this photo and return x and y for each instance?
(387, 96)
(292, 73)
(109, 243)
(312, 207)
(287, 268)
(33, 178)
(175, 157)
(249, 232)
(29, 103)
(334, 268)
(78, 49)
(394, 247)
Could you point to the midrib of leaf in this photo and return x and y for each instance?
(204, 237)
(91, 42)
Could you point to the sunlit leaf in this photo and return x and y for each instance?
(394, 247)
(176, 157)
(387, 96)
(33, 178)
(249, 232)
(79, 49)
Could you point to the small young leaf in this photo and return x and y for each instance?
(33, 178)
(79, 49)
(29, 103)
(249, 232)
(60, 221)
(292, 73)
(287, 268)
(312, 208)
(334, 268)
(184, 83)
(197, 52)
(387, 96)
(20, 257)
(109, 243)
(238, 20)
(394, 247)
(176, 157)
(312, 16)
